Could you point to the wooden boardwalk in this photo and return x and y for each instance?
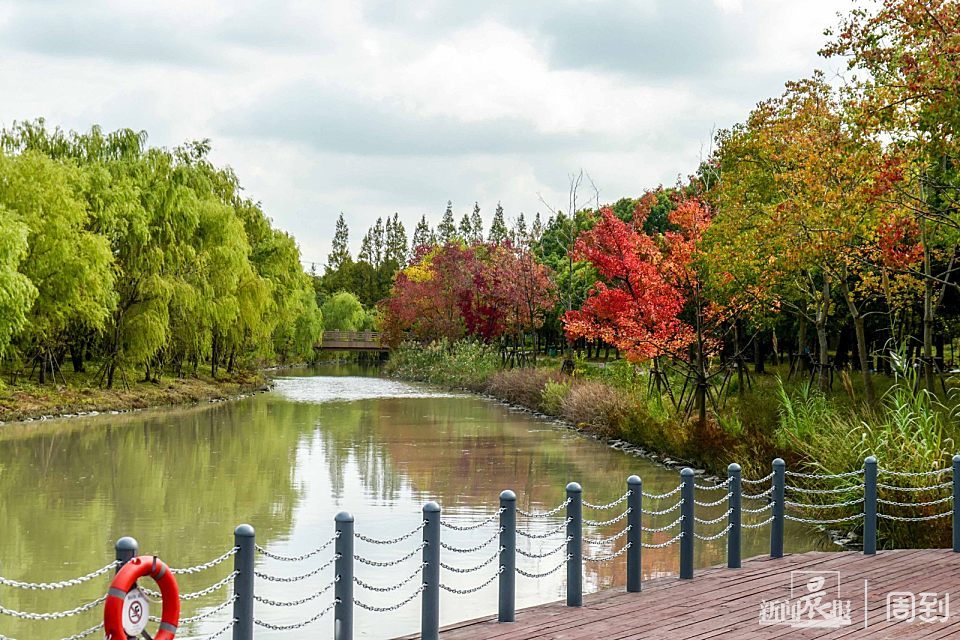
(726, 603)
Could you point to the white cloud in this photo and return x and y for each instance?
(377, 107)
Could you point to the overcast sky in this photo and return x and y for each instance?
(381, 106)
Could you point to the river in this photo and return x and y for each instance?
(332, 439)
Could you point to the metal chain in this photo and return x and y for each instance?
(665, 528)
(534, 575)
(603, 523)
(820, 476)
(835, 505)
(269, 578)
(936, 487)
(614, 537)
(609, 505)
(915, 504)
(663, 511)
(661, 496)
(917, 519)
(309, 554)
(205, 565)
(390, 563)
(464, 592)
(713, 520)
(769, 505)
(370, 587)
(546, 534)
(712, 487)
(196, 594)
(223, 630)
(719, 534)
(392, 607)
(765, 478)
(56, 615)
(757, 525)
(608, 558)
(661, 545)
(915, 474)
(294, 603)
(714, 503)
(757, 496)
(477, 567)
(451, 549)
(488, 520)
(202, 616)
(392, 540)
(545, 554)
(50, 586)
(544, 514)
(815, 521)
(859, 487)
(296, 625)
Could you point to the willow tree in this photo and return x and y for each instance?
(17, 293)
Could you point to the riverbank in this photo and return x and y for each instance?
(81, 396)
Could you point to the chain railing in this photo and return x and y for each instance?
(848, 498)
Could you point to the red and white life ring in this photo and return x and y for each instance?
(124, 582)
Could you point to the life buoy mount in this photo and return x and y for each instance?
(125, 613)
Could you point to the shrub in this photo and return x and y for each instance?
(460, 364)
(521, 386)
(553, 395)
(597, 406)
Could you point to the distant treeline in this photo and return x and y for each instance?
(123, 257)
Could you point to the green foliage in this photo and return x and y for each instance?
(17, 292)
(463, 364)
(343, 312)
(553, 395)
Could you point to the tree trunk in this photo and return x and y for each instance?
(928, 314)
(870, 394)
(758, 355)
(802, 350)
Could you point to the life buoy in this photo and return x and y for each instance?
(124, 582)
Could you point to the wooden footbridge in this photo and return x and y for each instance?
(882, 591)
(352, 341)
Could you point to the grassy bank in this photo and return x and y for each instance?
(81, 394)
(769, 416)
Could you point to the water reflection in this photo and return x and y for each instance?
(179, 480)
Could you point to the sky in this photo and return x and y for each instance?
(379, 106)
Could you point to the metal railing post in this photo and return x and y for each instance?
(776, 527)
(244, 538)
(870, 506)
(507, 607)
(125, 549)
(574, 545)
(686, 524)
(634, 520)
(733, 536)
(430, 601)
(343, 569)
(956, 503)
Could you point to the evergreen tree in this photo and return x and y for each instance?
(422, 235)
(396, 245)
(366, 248)
(476, 222)
(498, 227)
(377, 241)
(519, 232)
(536, 229)
(447, 229)
(465, 230)
(339, 249)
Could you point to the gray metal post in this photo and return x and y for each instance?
(430, 600)
(956, 503)
(733, 536)
(343, 569)
(574, 545)
(126, 549)
(686, 525)
(634, 522)
(507, 608)
(870, 505)
(776, 527)
(244, 538)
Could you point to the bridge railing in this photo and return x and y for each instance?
(372, 337)
(559, 529)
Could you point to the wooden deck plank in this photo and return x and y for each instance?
(725, 603)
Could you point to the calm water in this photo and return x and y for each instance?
(179, 480)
